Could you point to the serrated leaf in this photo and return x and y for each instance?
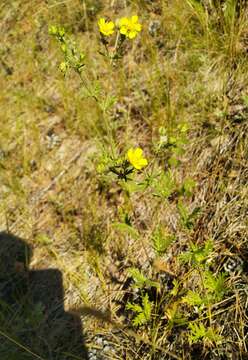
(161, 240)
(138, 277)
(193, 298)
(183, 211)
(164, 185)
(143, 312)
(197, 254)
(215, 284)
(134, 307)
(197, 332)
(147, 306)
(139, 320)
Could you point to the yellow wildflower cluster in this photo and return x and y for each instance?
(129, 27)
(136, 159)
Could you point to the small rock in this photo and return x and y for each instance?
(99, 341)
(52, 141)
(154, 27)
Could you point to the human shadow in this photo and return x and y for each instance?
(33, 322)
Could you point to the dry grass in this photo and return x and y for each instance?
(192, 68)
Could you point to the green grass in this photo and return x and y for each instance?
(187, 66)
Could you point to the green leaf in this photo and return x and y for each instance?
(43, 239)
(164, 185)
(126, 229)
(178, 151)
(188, 187)
(245, 100)
(183, 128)
(52, 30)
(172, 140)
(175, 290)
(133, 187)
(140, 279)
(187, 218)
(197, 332)
(147, 306)
(197, 254)
(139, 320)
(183, 211)
(161, 240)
(108, 102)
(143, 312)
(212, 336)
(193, 298)
(173, 161)
(134, 307)
(215, 284)
(174, 316)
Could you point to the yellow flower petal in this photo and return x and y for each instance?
(130, 153)
(130, 26)
(123, 22)
(111, 25)
(134, 19)
(106, 28)
(135, 158)
(140, 164)
(138, 152)
(123, 30)
(143, 162)
(132, 34)
(137, 27)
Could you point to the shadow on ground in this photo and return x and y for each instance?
(33, 323)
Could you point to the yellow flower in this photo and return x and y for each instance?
(136, 159)
(130, 27)
(106, 28)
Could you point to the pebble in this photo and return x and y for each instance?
(154, 27)
(105, 349)
(52, 141)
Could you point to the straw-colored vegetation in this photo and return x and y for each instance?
(123, 164)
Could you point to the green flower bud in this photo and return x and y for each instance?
(61, 32)
(81, 56)
(53, 30)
